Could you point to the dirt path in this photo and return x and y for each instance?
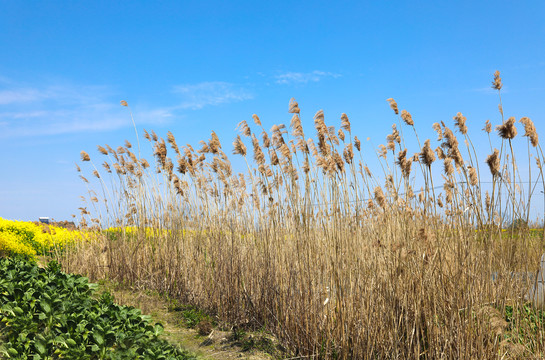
(204, 340)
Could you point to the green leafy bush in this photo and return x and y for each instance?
(46, 314)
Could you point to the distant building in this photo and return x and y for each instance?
(45, 220)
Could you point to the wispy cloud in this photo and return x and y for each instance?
(58, 109)
(66, 108)
(197, 96)
(20, 96)
(303, 78)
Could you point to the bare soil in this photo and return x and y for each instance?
(205, 341)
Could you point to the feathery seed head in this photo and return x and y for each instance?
(473, 178)
(345, 123)
(530, 131)
(460, 122)
(102, 150)
(437, 128)
(339, 161)
(146, 135)
(204, 147)
(274, 158)
(496, 84)
(379, 197)
(319, 116)
(172, 141)
(244, 128)
(296, 126)
(110, 150)
(427, 156)
(357, 143)
(285, 151)
(259, 156)
(440, 153)
(507, 130)
(383, 151)
(395, 134)
(266, 140)
(302, 146)
(348, 153)
(306, 166)
(84, 156)
(214, 143)
(393, 105)
(401, 156)
(487, 126)
(239, 147)
(406, 116)
(340, 134)
(493, 161)
(256, 120)
(294, 107)
(451, 142)
(312, 147)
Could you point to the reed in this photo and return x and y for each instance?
(336, 261)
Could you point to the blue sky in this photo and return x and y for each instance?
(194, 67)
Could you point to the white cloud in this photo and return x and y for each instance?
(65, 108)
(303, 78)
(203, 94)
(20, 96)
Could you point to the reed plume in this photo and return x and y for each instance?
(393, 105)
(497, 84)
(85, 156)
(530, 131)
(493, 161)
(507, 130)
(406, 116)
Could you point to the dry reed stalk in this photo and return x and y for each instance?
(304, 252)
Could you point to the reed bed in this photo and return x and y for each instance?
(337, 261)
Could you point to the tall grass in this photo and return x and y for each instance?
(311, 245)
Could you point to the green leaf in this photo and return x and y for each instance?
(158, 329)
(40, 347)
(98, 338)
(70, 342)
(46, 307)
(12, 352)
(18, 311)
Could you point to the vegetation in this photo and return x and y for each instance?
(46, 314)
(336, 260)
(30, 240)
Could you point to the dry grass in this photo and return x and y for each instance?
(336, 261)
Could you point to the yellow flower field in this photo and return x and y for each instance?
(29, 240)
